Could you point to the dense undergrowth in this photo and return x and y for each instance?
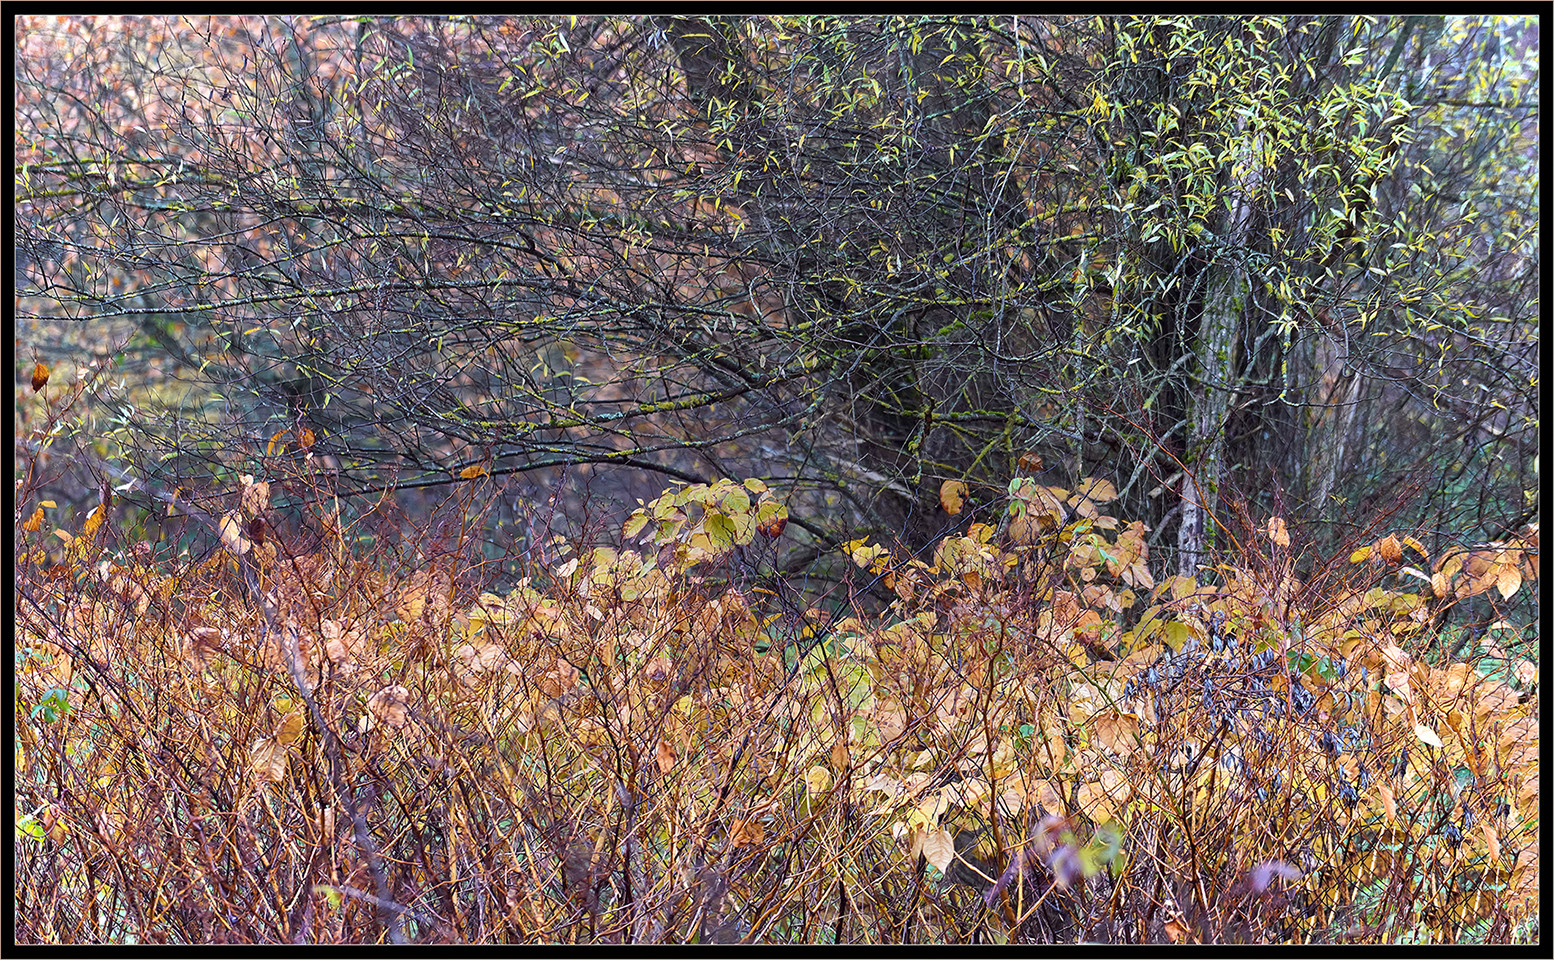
(1036, 738)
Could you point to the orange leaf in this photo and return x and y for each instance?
(1096, 489)
(1389, 802)
(40, 376)
(1508, 580)
(664, 756)
(470, 473)
(1390, 549)
(952, 494)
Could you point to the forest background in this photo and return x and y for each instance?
(469, 291)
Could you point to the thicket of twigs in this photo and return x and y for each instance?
(649, 742)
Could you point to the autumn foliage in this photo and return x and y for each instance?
(1026, 734)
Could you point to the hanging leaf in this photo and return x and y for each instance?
(952, 495)
(664, 756)
(1278, 532)
(939, 848)
(1390, 549)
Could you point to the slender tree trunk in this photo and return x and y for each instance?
(1216, 344)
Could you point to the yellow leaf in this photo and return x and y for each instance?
(470, 473)
(870, 557)
(289, 730)
(94, 520)
(818, 779)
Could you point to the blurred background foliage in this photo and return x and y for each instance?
(1288, 262)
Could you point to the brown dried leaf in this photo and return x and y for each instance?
(268, 760)
(388, 706)
(745, 833)
(200, 643)
(254, 497)
(1278, 532)
(939, 848)
(290, 728)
